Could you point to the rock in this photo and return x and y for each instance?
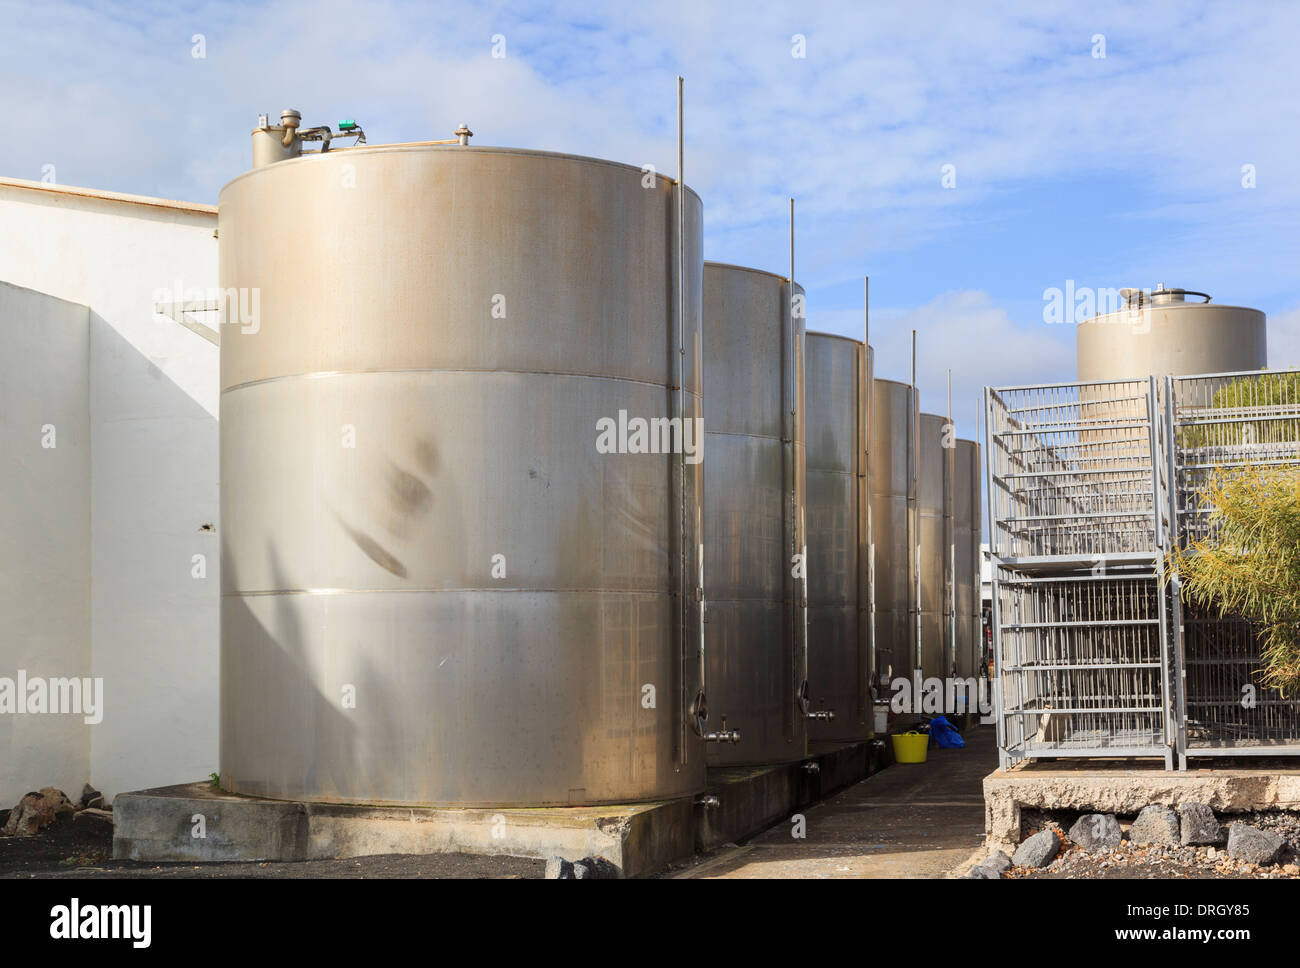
(37, 810)
(595, 868)
(1199, 825)
(58, 801)
(981, 873)
(90, 797)
(28, 816)
(1096, 831)
(1252, 845)
(559, 869)
(997, 862)
(1038, 850)
(95, 814)
(1211, 853)
(1156, 824)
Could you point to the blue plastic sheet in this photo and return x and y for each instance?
(945, 735)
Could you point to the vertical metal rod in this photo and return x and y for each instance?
(799, 588)
(950, 527)
(865, 612)
(977, 658)
(789, 541)
(680, 372)
(914, 517)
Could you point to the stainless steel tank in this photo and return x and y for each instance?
(894, 409)
(837, 404)
(1164, 332)
(935, 445)
(754, 479)
(966, 536)
(444, 579)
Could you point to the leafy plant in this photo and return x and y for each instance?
(1250, 568)
(1268, 390)
(215, 780)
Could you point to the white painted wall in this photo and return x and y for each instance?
(44, 530)
(152, 394)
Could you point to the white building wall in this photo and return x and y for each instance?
(153, 392)
(45, 461)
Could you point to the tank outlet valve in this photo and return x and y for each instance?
(723, 735)
(821, 715)
(708, 802)
(812, 766)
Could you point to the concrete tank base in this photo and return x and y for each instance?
(1125, 787)
(639, 839)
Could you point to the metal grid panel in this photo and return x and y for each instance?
(1225, 421)
(1071, 471)
(1082, 663)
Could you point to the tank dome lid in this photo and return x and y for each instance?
(1160, 296)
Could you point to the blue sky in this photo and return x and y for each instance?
(1122, 170)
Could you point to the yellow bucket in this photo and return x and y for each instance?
(910, 747)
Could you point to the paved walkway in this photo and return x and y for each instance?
(906, 821)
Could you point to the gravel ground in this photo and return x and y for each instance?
(1148, 861)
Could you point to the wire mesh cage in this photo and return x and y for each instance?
(1227, 421)
(1083, 664)
(1071, 470)
(1221, 424)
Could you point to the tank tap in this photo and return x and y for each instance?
(708, 802)
(812, 766)
(723, 735)
(821, 715)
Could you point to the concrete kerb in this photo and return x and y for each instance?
(1122, 791)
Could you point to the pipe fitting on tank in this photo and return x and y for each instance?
(821, 715)
(289, 120)
(463, 133)
(708, 802)
(812, 766)
(723, 735)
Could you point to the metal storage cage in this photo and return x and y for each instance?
(1091, 485)
(1077, 522)
(1071, 471)
(1225, 421)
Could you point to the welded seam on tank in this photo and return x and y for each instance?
(457, 152)
(323, 374)
(408, 591)
(737, 433)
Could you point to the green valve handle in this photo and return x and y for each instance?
(347, 125)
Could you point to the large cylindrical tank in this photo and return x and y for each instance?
(445, 578)
(837, 395)
(935, 446)
(894, 409)
(754, 477)
(1165, 332)
(966, 538)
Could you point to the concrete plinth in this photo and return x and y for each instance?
(1126, 789)
(751, 799)
(192, 822)
(163, 825)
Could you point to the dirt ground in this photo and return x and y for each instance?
(70, 848)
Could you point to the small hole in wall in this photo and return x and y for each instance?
(207, 527)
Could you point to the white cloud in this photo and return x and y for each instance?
(968, 332)
(1284, 340)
